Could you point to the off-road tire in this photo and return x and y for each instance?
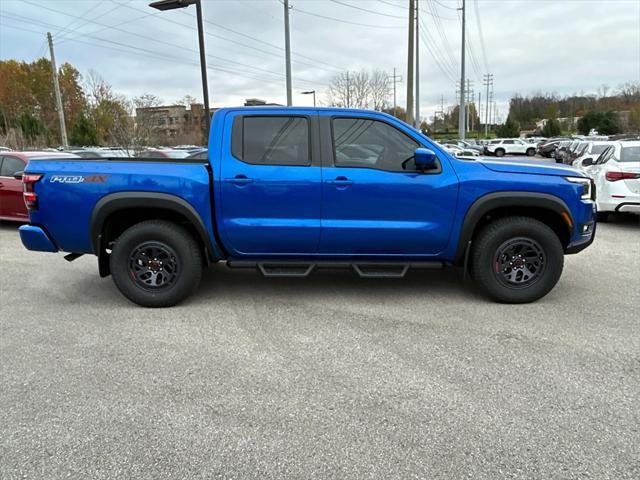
(182, 250)
(485, 263)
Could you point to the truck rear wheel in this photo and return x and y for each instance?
(517, 260)
(156, 263)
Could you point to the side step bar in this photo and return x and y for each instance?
(301, 269)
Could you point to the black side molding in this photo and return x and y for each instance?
(493, 201)
(125, 200)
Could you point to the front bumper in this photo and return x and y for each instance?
(35, 238)
(584, 240)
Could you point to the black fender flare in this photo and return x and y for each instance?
(113, 202)
(492, 201)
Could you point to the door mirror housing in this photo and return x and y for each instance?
(587, 162)
(425, 159)
(18, 175)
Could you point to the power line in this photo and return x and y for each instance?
(445, 6)
(445, 40)
(120, 23)
(480, 34)
(211, 34)
(164, 56)
(432, 14)
(162, 42)
(472, 56)
(66, 27)
(439, 60)
(305, 12)
(366, 10)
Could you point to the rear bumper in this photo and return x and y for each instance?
(628, 208)
(35, 238)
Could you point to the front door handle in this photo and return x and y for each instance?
(240, 180)
(340, 182)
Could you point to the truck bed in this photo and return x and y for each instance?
(81, 183)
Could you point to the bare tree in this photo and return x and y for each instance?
(187, 101)
(380, 89)
(147, 100)
(361, 89)
(340, 90)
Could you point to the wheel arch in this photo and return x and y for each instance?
(116, 212)
(549, 209)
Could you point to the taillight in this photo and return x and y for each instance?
(28, 183)
(615, 176)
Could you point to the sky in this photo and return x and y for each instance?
(530, 46)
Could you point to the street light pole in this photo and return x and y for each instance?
(311, 92)
(172, 5)
(287, 48)
(461, 110)
(203, 66)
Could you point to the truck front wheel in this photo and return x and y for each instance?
(516, 259)
(156, 263)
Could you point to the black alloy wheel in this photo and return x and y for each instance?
(519, 262)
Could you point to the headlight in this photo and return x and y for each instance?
(586, 186)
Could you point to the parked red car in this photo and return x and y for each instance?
(12, 164)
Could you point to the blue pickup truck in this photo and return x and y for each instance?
(291, 190)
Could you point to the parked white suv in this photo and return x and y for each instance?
(592, 151)
(616, 173)
(511, 146)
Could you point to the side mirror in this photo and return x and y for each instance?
(424, 158)
(18, 175)
(587, 162)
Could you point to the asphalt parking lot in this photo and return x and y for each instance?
(328, 377)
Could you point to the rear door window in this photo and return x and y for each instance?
(10, 166)
(274, 140)
(630, 154)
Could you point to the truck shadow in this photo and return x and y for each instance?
(622, 221)
(238, 285)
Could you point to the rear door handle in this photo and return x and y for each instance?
(240, 180)
(340, 182)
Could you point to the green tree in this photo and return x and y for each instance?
(30, 125)
(83, 132)
(634, 120)
(551, 128)
(510, 129)
(606, 123)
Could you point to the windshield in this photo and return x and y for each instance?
(630, 154)
(598, 149)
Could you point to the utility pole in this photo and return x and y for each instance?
(470, 95)
(478, 108)
(409, 118)
(441, 112)
(461, 122)
(287, 48)
(348, 91)
(395, 78)
(56, 90)
(487, 82)
(417, 68)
